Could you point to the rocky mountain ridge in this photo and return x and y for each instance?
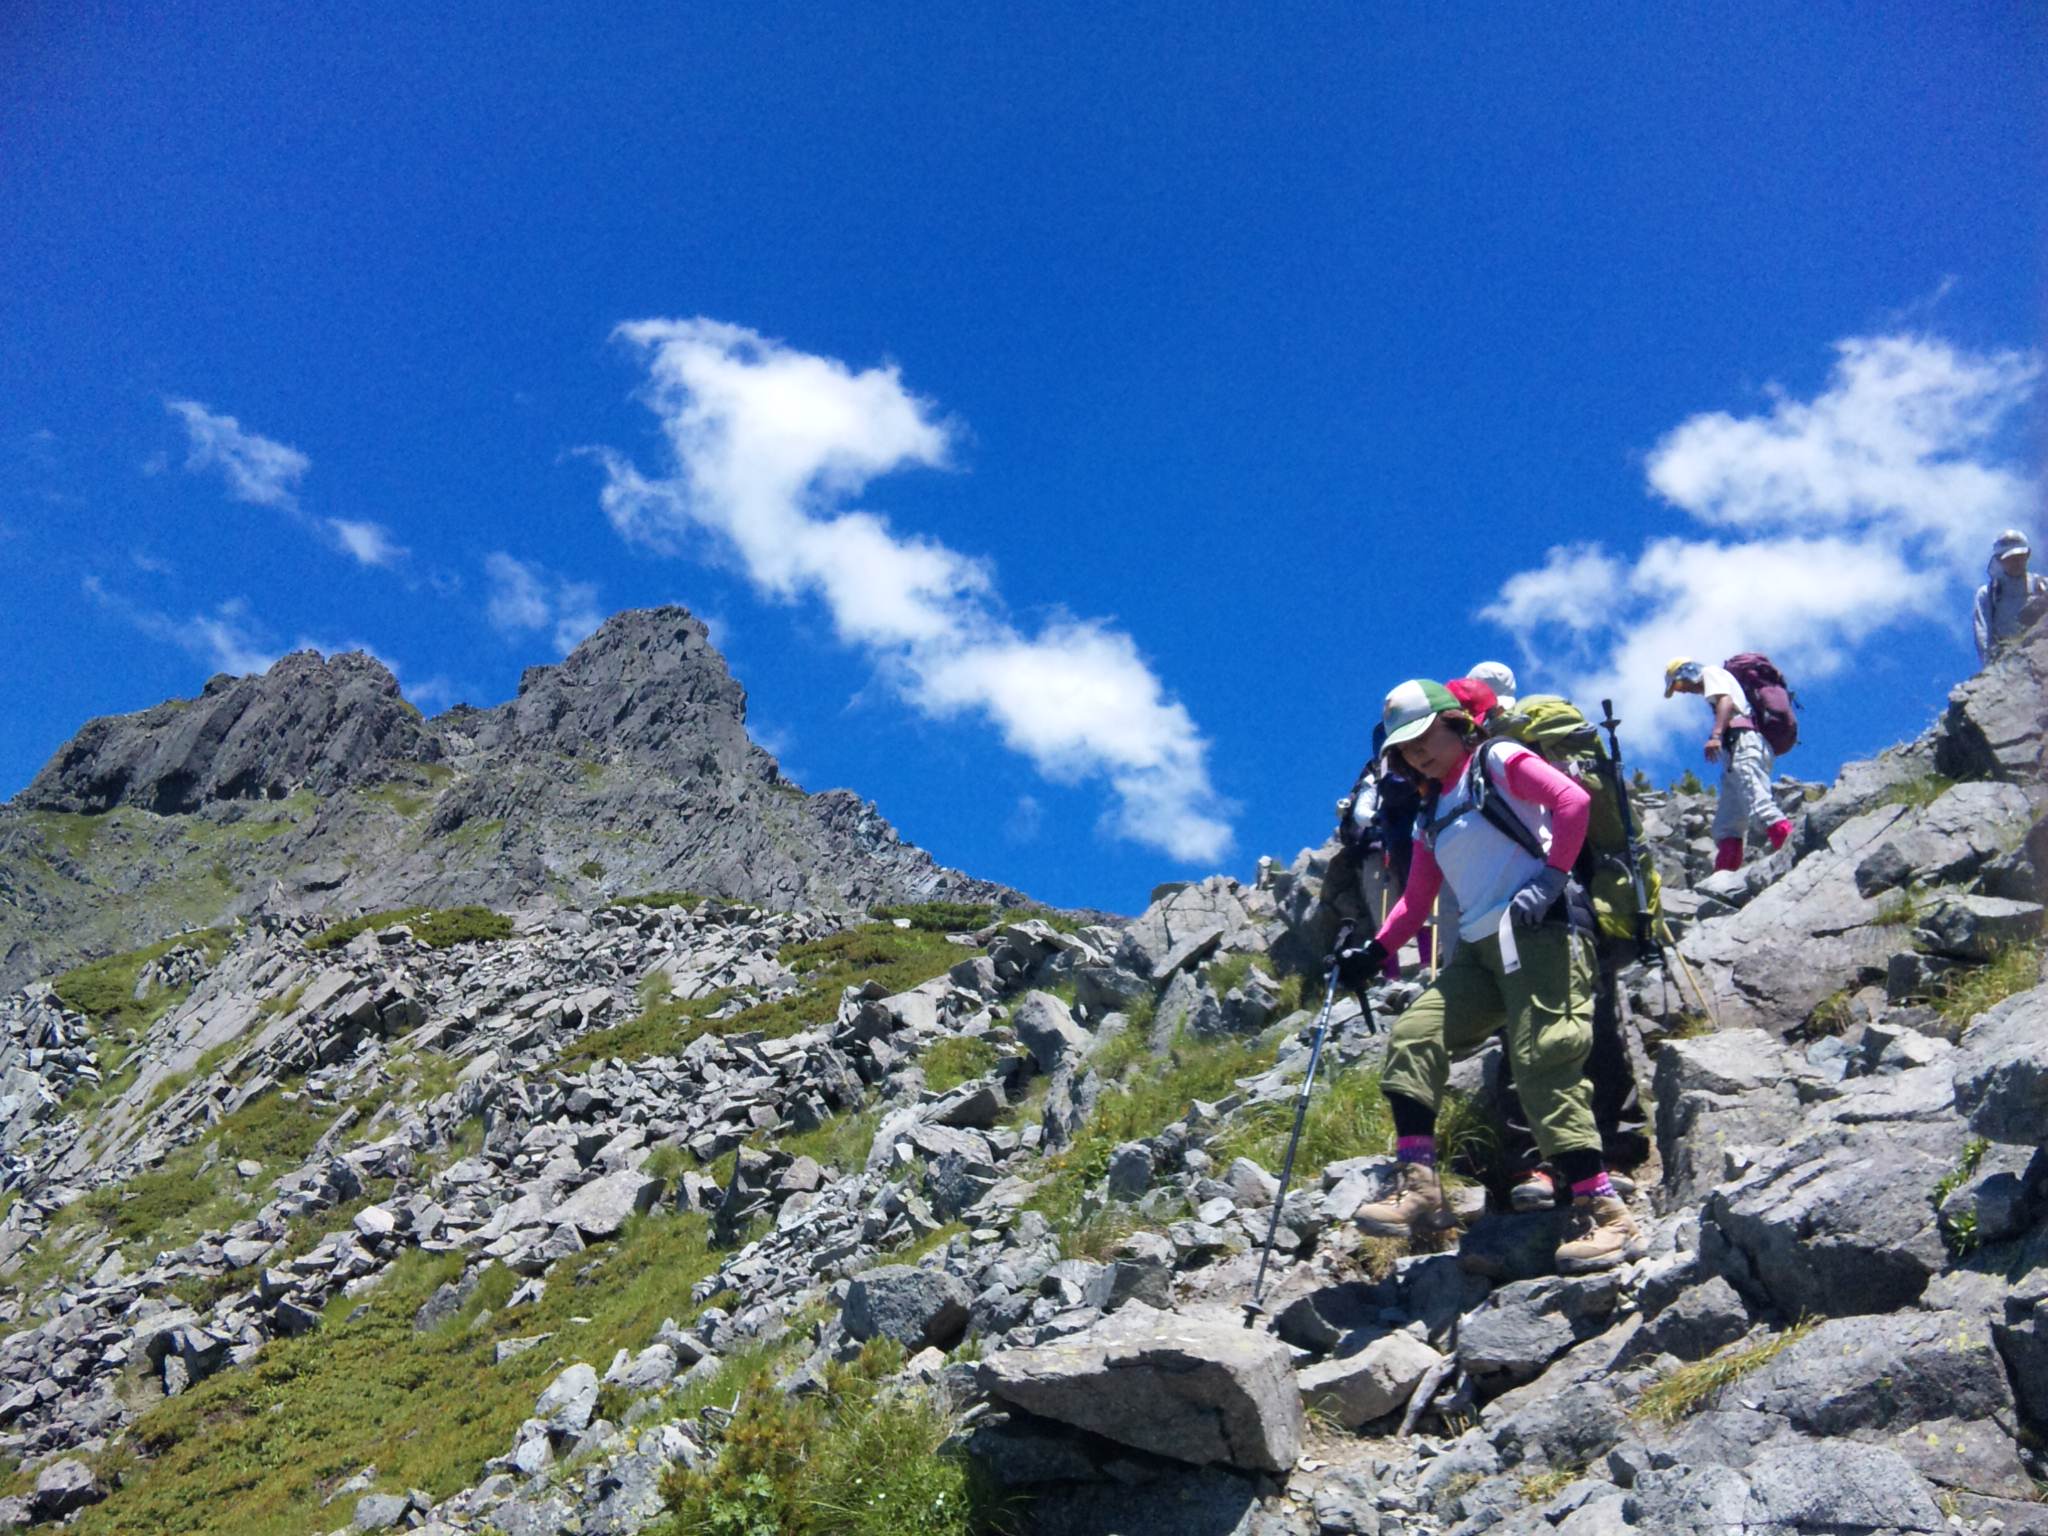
(500, 1219)
(316, 787)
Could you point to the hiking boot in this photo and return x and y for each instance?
(1414, 1204)
(1535, 1191)
(1602, 1234)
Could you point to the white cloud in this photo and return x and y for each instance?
(525, 597)
(769, 446)
(1819, 523)
(266, 473)
(258, 469)
(368, 543)
(225, 639)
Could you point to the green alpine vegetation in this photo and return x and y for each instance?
(435, 927)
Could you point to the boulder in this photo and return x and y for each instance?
(2001, 1073)
(1198, 1390)
(570, 1400)
(1720, 1098)
(912, 1304)
(602, 1207)
(1839, 1222)
(1791, 1490)
(1355, 1389)
(1949, 841)
(63, 1486)
(1047, 1029)
(1976, 927)
(1525, 1325)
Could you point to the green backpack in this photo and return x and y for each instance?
(1553, 728)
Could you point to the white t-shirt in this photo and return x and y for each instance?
(1719, 683)
(1482, 865)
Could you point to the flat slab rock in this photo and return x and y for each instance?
(1198, 1390)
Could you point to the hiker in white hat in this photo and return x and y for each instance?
(2011, 597)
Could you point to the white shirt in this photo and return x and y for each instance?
(1482, 865)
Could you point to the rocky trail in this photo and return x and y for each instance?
(461, 1222)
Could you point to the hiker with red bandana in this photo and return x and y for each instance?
(1746, 760)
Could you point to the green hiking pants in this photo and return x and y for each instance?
(1547, 1008)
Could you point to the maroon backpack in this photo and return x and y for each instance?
(1770, 700)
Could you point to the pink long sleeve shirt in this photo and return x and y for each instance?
(1486, 866)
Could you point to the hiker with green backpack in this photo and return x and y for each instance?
(1754, 723)
(1501, 829)
(1553, 727)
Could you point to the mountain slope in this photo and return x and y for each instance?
(316, 788)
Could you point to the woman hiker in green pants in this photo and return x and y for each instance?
(1503, 827)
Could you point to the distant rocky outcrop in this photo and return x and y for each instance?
(307, 723)
(316, 787)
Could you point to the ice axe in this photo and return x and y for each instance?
(1256, 1308)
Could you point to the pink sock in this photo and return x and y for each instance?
(1728, 853)
(1416, 1149)
(1599, 1187)
(1779, 832)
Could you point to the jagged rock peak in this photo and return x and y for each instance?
(648, 680)
(310, 722)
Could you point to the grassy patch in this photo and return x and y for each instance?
(1968, 991)
(661, 1028)
(1832, 1015)
(938, 916)
(1901, 909)
(435, 927)
(1347, 1117)
(1231, 971)
(104, 990)
(1692, 1387)
(1541, 1487)
(590, 869)
(474, 835)
(955, 1060)
(689, 901)
(408, 800)
(254, 1451)
(854, 1460)
(1915, 793)
(1960, 1231)
(1146, 1104)
(66, 831)
(282, 1002)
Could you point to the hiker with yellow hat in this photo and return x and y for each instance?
(1747, 761)
(1501, 828)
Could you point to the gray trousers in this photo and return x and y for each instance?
(1745, 800)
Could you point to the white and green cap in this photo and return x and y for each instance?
(1410, 708)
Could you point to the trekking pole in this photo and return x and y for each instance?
(1645, 931)
(1255, 1308)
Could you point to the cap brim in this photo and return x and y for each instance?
(1410, 731)
(1670, 686)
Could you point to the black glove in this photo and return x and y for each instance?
(1360, 965)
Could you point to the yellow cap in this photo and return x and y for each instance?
(1672, 669)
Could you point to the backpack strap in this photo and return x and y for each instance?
(1487, 800)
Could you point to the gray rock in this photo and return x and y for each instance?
(1130, 1171)
(1522, 1327)
(1197, 1390)
(1048, 1030)
(1721, 1097)
(602, 1207)
(1976, 927)
(570, 1400)
(914, 1305)
(1837, 1223)
(1703, 1319)
(1791, 1491)
(381, 1511)
(2001, 1073)
(63, 1486)
(1358, 1388)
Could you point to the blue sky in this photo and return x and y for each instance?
(1199, 376)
